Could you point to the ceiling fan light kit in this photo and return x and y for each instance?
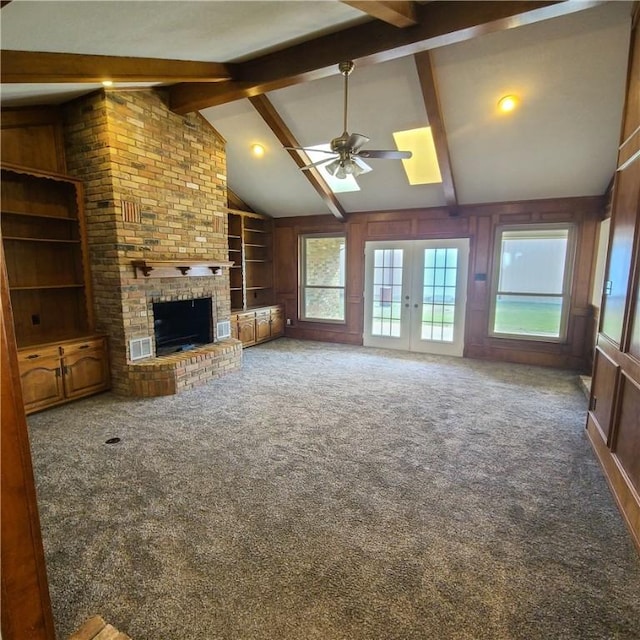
(347, 148)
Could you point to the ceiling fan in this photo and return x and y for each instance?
(346, 150)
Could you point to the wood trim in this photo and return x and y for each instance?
(399, 13)
(59, 177)
(438, 24)
(424, 67)
(272, 118)
(25, 604)
(234, 201)
(37, 66)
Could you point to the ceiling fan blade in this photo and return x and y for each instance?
(387, 155)
(309, 149)
(364, 167)
(356, 140)
(315, 164)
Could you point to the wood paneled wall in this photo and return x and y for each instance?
(613, 423)
(477, 222)
(32, 137)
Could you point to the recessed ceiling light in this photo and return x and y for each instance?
(257, 150)
(107, 83)
(507, 103)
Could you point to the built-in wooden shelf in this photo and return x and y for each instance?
(54, 240)
(46, 286)
(178, 268)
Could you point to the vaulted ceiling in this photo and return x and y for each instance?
(266, 72)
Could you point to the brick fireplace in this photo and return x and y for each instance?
(155, 190)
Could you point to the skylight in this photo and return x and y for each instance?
(422, 167)
(337, 185)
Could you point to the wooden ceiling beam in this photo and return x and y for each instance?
(37, 66)
(399, 13)
(274, 121)
(438, 23)
(428, 84)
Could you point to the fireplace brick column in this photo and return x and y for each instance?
(155, 189)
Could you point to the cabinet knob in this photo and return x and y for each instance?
(33, 356)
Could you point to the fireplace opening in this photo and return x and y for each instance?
(182, 325)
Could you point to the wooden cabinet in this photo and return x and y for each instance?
(613, 422)
(263, 325)
(41, 377)
(52, 374)
(250, 250)
(258, 325)
(245, 327)
(277, 321)
(45, 252)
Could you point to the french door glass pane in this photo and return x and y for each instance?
(528, 315)
(387, 292)
(439, 294)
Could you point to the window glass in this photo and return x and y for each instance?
(323, 278)
(531, 285)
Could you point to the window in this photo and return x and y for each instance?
(532, 282)
(322, 268)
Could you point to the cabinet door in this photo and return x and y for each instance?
(603, 387)
(234, 329)
(85, 372)
(247, 331)
(41, 382)
(277, 322)
(263, 326)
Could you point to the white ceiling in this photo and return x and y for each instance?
(568, 71)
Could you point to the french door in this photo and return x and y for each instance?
(415, 294)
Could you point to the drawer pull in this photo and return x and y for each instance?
(33, 356)
(84, 346)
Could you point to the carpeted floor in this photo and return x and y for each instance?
(333, 492)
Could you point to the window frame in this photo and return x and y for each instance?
(302, 274)
(567, 280)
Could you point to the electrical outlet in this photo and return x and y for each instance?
(288, 322)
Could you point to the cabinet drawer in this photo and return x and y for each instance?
(83, 345)
(262, 313)
(243, 317)
(29, 355)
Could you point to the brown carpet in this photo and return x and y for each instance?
(337, 492)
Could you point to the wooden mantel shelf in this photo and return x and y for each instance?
(178, 268)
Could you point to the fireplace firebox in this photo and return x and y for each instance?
(181, 325)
